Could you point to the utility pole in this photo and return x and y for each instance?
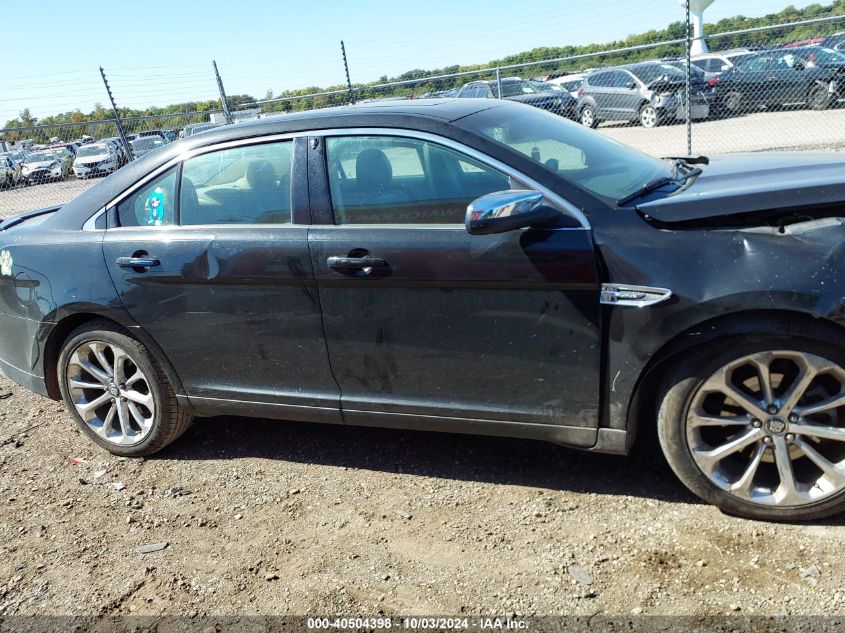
(223, 99)
(126, 145)
(346, 69)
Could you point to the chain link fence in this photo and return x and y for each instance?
(777, 87)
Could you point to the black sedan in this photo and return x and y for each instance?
(539, 94)
(459, 265)
(777, 78)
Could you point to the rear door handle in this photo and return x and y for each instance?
(365, 263)
(137, 262)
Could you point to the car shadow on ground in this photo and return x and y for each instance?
(494, 460)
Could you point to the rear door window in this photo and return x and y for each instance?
(240, 185)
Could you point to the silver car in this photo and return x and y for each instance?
(146, 144)
(95, 159)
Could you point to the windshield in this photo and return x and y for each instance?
(514, 88)
(822, 55)
(608, 169)
(40, 157)
(148, 142)
(648, 73)
(92, 150)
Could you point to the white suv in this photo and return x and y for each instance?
(714, 64)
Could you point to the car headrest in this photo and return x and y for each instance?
(260, 174)
(372, 169)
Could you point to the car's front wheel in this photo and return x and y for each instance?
(588, 116)
(649, 117)
(118, 392)
(756, 426)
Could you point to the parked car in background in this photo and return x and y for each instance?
(65, 155)
(777, 78)
(146, 144)
(117, 144)
(43, 165)
(535, 94)
(835, 41)
(19, 155)
(196, 128)
(11, 172)
(823, 57)
(714, 64)
(807, 42)
(96, 159)
(650, 93)
(699, 83)
(571, 83)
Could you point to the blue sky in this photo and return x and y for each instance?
(159, 52)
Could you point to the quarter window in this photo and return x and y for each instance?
(153, 205)
(242, 185)
(393, 180)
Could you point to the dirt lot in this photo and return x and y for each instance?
(264, 517)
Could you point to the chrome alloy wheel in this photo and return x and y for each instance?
(769, 428)
(110, 393)
(648, 116)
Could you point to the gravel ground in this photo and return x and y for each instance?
(264, 517)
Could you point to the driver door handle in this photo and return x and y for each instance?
(355, 263)
(137, 262)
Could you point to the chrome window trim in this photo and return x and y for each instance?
(565, 205)
(481, 157)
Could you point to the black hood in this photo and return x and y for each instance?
(744, 183)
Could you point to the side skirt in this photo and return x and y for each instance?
(600, 440)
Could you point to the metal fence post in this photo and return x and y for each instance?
(498, 82)
(688, 55)
(223, 99)
(126, 145)
(346, 70)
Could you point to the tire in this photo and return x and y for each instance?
(164, 419)
(587, 117)
(733, 102)
(819, 98)
(688, 397)
(649, 116)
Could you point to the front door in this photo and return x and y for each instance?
(426, 323)
(212, 266)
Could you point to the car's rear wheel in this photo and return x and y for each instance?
(757, 427)
(819, 98)
(118, 392)
(649, 117)
(588, 117)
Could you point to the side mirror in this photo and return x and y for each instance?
(630, 84)
(504, 211)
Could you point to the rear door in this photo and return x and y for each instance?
(437, 327)
(756, 79)
(211, 259)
